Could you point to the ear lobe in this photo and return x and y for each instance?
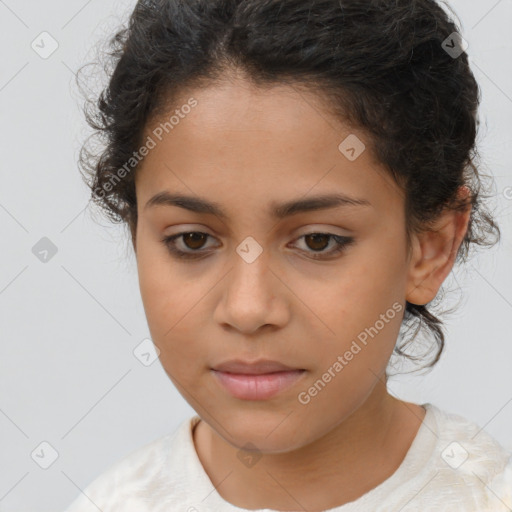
(434, 253)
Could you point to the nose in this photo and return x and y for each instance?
(252, 297)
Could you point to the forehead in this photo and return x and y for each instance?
(234, 113)
(272, 143)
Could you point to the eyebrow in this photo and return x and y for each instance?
(279, 211)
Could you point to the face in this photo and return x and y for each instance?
(257, 285)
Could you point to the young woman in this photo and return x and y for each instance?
(298, 179)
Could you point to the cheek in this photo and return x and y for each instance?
(173, 302)
(359, 305)
(348, 364)
(160, 288)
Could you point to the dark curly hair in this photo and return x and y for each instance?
(380, 65)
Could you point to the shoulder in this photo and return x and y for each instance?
(129, 483)
(469, 467)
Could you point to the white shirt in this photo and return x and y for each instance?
(451, 465)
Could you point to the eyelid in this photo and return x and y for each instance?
(326, 229)
(310, 231)
(341, 244)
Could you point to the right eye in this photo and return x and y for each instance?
(193, 239)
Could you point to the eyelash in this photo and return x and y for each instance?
(342, 242)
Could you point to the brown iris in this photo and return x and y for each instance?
(316, 238)
(196, 240)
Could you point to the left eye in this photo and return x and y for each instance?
(319, 241)
(194, 240)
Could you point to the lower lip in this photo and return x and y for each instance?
(257, 387)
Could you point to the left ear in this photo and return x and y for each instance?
(434, 251)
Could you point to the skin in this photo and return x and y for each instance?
(245, 148)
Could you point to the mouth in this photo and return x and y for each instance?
(260, 367)
(262, 386)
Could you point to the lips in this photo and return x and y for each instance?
(260, 367)
(256, 380)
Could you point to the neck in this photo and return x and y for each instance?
(354, 457)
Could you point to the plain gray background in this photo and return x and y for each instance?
(69, 326)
